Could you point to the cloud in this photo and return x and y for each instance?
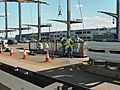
(77, 6)
(98, 18)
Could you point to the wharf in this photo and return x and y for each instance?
(62, 69)
(36, 63)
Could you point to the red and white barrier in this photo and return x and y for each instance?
(24, 54)
(1, 51)
(11, 52)
(47, 56)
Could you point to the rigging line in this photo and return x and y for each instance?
(31, 16)
(31, 13)
(59, 14)
(81, 14)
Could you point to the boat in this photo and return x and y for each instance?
(106, 50)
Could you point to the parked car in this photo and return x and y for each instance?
(12, 41)
(25, 40)
(33, 40)
(1, 40)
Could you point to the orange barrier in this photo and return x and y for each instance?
(47, 56)
(1, 51)
(11, 52)
(24, 54)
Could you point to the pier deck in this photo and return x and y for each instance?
(61, 69)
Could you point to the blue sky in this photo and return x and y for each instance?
(91, 18)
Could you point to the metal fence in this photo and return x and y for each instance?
(79, 49)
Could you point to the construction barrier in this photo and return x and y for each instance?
(11, 52)
(47, 56)
(24, 54)
(1, 51)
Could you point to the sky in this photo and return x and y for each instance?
(89, 8)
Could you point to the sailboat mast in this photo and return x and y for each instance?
(39, 23)
(118, 20)
(6, 21)
(68, 18)
(19, 9)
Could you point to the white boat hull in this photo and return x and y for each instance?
(107, 51)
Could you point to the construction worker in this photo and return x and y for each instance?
(69, 43)
(76, 44)
(40, 46)
(63, 43)
(45, 46)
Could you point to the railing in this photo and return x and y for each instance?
(54, 48)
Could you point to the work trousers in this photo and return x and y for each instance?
(69, 51)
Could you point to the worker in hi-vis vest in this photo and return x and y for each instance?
(40, 46)
(69, 43)
(63, 44)
(46, 46)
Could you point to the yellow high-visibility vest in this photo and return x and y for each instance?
(68, 43)
(46, 46)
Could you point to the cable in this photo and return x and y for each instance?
(81, 13)
(31, 14)
(31, 17)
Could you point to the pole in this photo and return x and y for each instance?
(39, 23)
(6, 21)
(118, 20)
(68, 18)
(19, 9)
(49, 34)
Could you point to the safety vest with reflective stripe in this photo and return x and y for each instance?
(68, 43)
(46, 46)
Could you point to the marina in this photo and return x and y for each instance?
(64, 59)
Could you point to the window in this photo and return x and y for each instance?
(80, 32)
(88, 37)
(88, 32)
(93, 50)
(77, 32)
(115, 52)
(84, 32)
(63, 35)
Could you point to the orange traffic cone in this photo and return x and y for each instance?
(47, 56)
(11, 52)
(24, 55)
(1, 51)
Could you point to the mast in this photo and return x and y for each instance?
(118, 20)
(19, 9)
(68, 18)
(6, 21)
(39, 23)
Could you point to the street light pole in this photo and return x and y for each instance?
(6, 21)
